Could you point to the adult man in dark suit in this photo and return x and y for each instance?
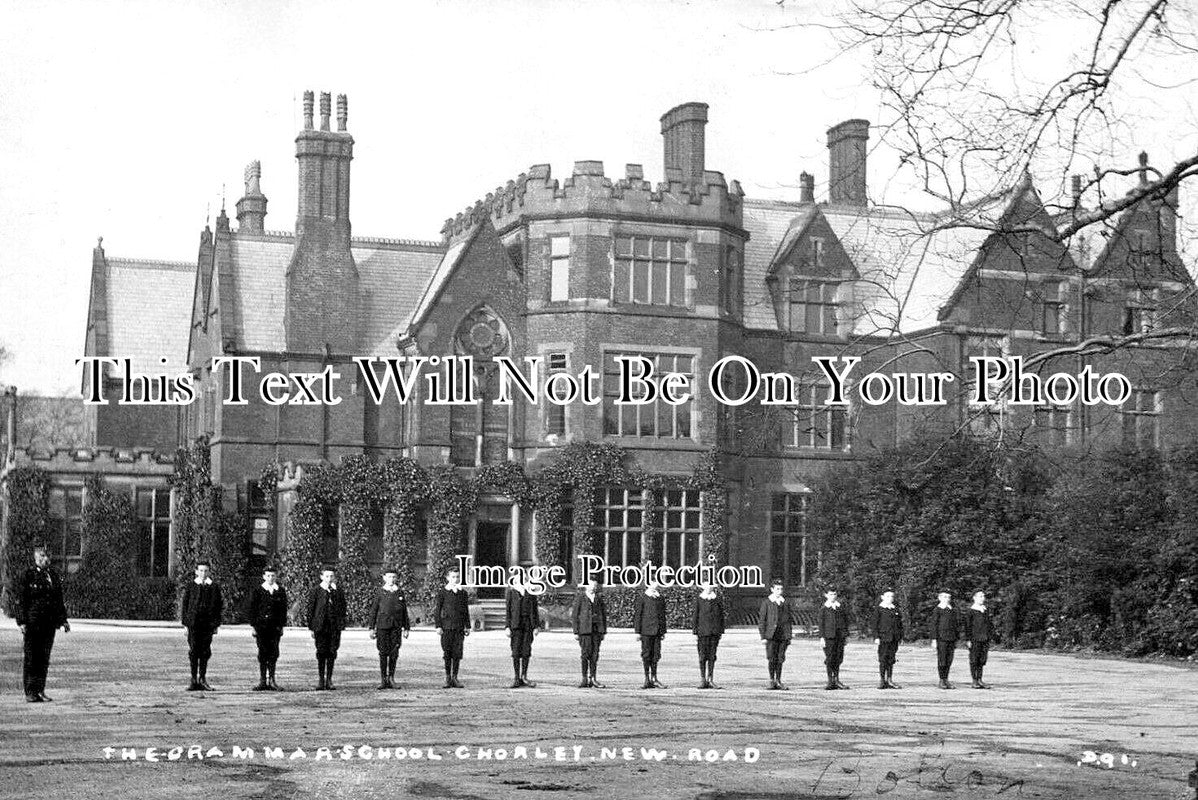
(833, 630)
(523, 622)
(389, 626)
(707, 624)
(326, 620)
(202, 609)
(887, 626)
(979, 632)
(451, 615)
(649, 623)
(40, 613)
(589, 618)
(774, 625)
(268, 617)
(944, 631)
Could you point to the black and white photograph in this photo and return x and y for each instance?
(700, 399)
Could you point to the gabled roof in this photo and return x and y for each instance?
(391, 273)
(143, 308)
(770, 225)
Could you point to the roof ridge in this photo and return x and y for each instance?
(150, 262)
(358, 239)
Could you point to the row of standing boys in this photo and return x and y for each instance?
(42, 611)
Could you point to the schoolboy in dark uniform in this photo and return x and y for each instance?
(887, 626)
(649, 623)
(944, 630)
(202, 609)
(451, 615)
(774, 625)
(522, 625)
(589, 618)
(707, 624)
(40, 614)
(326, 620)
(268, 617)
(389, 626)
(979, 632)
(833, 630)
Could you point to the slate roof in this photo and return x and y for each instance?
(148, 305)
(392, 275)
(768, 223)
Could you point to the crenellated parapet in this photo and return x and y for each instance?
(102, 460)
(536, 194)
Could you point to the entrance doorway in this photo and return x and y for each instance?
(490, 550)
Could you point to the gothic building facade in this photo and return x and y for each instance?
(588, 268)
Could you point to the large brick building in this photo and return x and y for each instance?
(685, 271)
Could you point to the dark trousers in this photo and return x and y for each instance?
(327, 643)
(39, 641)
(268, 645)
(388, 641)
(833, 652)
(707, 647)
(451, 642)
(886, 654)
(589, 645)
(945, 649)
(775, 650)
(651, 649)
(978, 651)
(199, 643)
(522, 642)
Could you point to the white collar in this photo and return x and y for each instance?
(651, 592)
(831, 605)
(976, 607)
(711, 596)
(589, 594)
(205, 582)
(457, 588)
(948, 607)
(519, 588)
(392, 589)
(779, 601)
(274, 587)
(883, 605)
(328, 587)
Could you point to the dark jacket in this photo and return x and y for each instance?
(523, 611)
(388, 610)
(589, 617)
(41, 603)
(887, 624)
(649, 615)
(202, 605)
(833, 622)
(979, 626)
(708, 618)
(268, 611)
(451, 611)
(774, 620)
(944, 624)
(326, 609)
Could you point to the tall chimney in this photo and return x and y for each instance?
(251, 208)
(806, 187)
(683, 134)
(846, 157)
(322, 300)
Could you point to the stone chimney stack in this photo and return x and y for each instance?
(251, 208)
(683, 131)
(322, 309)
(846, 159)
(806, 187)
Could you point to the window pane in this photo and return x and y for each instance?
(559, 245)
(678, 285)
(684, 421)
(812, 321)
(659, 250)
(623, 245)
(559, 280)
(660, 280)
(640, 247)
(640, 282)
(145, 500)
(633, 555)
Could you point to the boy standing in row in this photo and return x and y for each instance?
(451, 615)
(774, 625)
(389, 626)
(708, 625)
(522, 626)
(649, 622)
(268, 617)
(589, 618)
(326, 620)
(888, 632)
(833, 630)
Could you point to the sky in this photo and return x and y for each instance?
(133, 120)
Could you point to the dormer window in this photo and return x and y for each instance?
(817, 253)
(813, 307)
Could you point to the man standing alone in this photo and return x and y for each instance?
(40, 614)
(202, 608)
